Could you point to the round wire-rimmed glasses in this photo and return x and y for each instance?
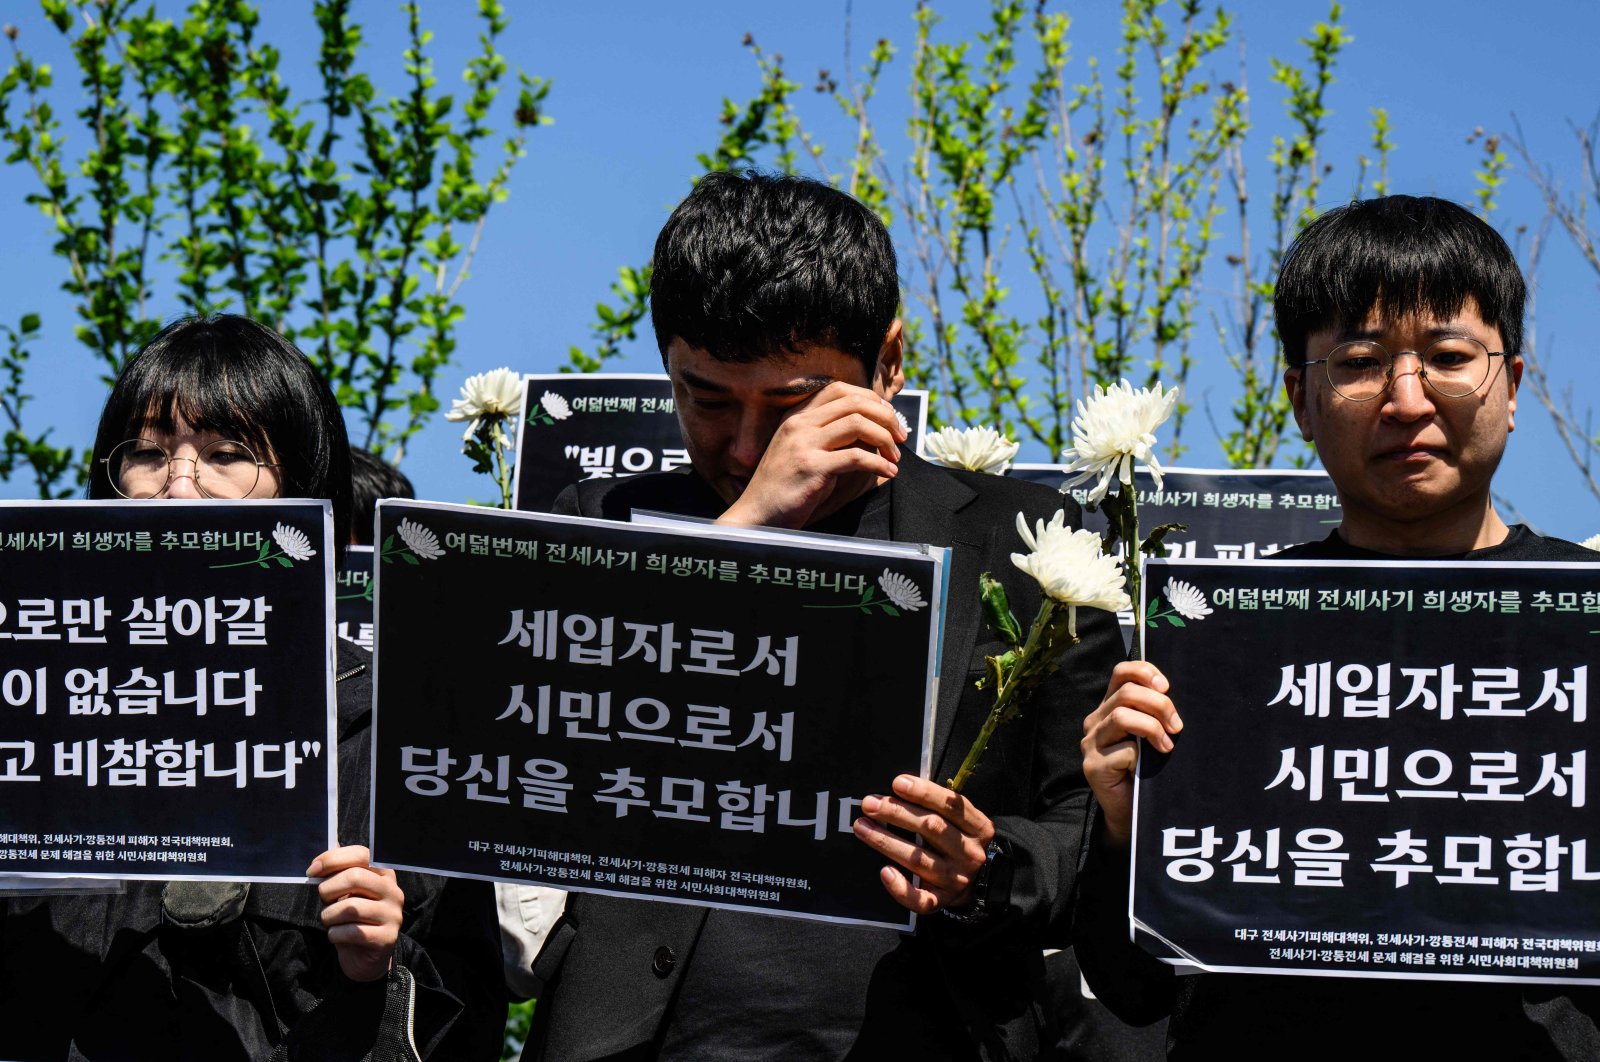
(1363, 369)
(142, 468)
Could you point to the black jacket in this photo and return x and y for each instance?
(219, 971)
(610, 994)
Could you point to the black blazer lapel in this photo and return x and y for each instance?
(928, 507)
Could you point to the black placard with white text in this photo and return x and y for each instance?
(352, 596)
(610, 425)
(1230, 514)
(1385, 770)
(679, 713)
(167, 688)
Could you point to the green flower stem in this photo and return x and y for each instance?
(1004, 703)
(502, 467)
(261, 560)
(866, 603)
(1134, 573)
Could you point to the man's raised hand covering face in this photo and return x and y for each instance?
(789, 441)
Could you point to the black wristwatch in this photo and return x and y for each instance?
(978, 909)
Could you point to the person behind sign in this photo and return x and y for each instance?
(371, 478)
(223, 408)
(1401, 323)
(773, 302)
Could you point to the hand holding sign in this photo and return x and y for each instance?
(1135, 706)
(365, 905)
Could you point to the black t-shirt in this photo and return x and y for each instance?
(1521, 544)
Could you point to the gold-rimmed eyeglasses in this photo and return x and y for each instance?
(1363, 369)
(142, 468)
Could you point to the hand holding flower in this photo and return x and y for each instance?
(955, 834)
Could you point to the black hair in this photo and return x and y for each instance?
(752, 265)
(1402, 255)
(233, 376)
(371, 478)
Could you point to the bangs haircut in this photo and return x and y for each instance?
(240, 379)
(752, 266)
(1402, 256)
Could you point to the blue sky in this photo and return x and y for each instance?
(638, 86)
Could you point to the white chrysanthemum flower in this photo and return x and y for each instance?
(974, 449)
(555, 405)
(1113, 429)
(1070, 567)
(497, 393)
(1592, 542)
(423, 542)
(900, 419)
(1187, 600)
(902, 591)
(293, 542)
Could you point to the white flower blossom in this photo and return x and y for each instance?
(497, 393)
(1070, 567)
(423, 542)
(974, 449)
(900, 419)
(1187, 600)
(902, 591)
(293, 542)
(555, 405)
(1592, 542)
(1113, 429)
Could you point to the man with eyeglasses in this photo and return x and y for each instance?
(1401, 325)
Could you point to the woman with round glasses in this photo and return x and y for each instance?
(362, 964)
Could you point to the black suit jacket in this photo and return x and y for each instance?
(612, 966)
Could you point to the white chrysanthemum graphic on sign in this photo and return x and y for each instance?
(902, 591)
(293, 542)
(1187, 600)
(555, 405)
(423, 542)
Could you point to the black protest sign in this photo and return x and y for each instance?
(166, 687)
(1231, 515)
(685, 713)
(352, 597)
(1384, 770)
(611, 425)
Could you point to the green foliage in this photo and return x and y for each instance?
(1118, 188)
(49, 465)
(191, 176)
(519, 1019)
(766, 121)
(1490, 176)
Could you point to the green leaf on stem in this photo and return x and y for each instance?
(1152, 546)
(997, 609)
